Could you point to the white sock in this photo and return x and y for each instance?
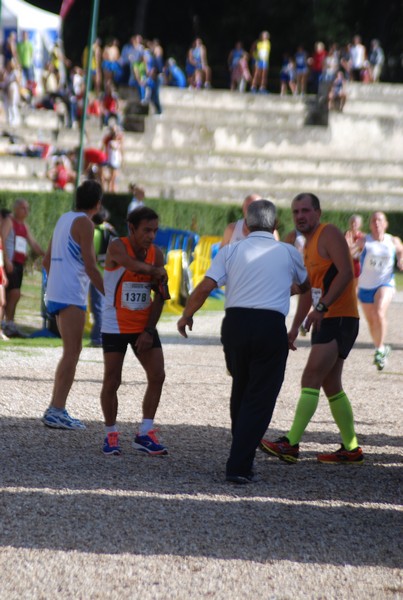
(381, 348)
(110, 429)
(146, 426)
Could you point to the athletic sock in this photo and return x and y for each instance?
(343, 415)
(146, 426)
(306, 407)
(110, 429)
(57, 411)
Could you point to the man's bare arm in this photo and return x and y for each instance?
(47, 258)
(196, 299)
(83, 233)
(34, 244)
(117, 255)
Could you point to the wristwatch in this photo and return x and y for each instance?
(320, 307)
(149, 330)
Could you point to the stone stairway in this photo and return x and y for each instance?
(217, 146)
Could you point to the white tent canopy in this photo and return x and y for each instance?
(42, 26)
(20, 15)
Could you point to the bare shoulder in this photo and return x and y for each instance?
(228, 231)
(290, 238)
(82, 226)
(332, 235)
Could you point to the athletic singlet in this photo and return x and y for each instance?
(263, 50)
(68, 282)
(321, 273)
(238, 234)
(196, 54)
(377, 263)
(16, 242)
(127, 296)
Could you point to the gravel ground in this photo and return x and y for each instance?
(75, 524)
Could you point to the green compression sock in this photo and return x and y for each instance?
(343, 415)
(307, 404)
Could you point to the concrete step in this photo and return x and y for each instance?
(25, 184)
(215, 116)
(384, 92)
(234, 191)
(18, 166)
(194, 158)
(262, 177)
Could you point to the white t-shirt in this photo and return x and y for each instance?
(258, 272)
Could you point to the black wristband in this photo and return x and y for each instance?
(150, 330)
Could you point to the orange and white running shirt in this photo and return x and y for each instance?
(128, 300)
(321, 272)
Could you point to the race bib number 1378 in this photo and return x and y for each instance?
(135, 296)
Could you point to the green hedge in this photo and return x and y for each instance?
(203, 218)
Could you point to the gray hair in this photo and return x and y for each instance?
(261, 216)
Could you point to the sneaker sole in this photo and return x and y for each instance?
(285, 457)
(149, 452)
(340, 462)
(112, 453)
(60, 426)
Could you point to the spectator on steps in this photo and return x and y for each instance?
(138, 196)
(316, 63)
(338, 93)
(25, 52)
(358, 56)
(173, 75)
(10, 85)
(376, 60)
(110, 106)
(60, 173)
(240, 75)
(261, 53)
(302, 69)
(288, 76)
(197, 68)
(10, 48)
(96, 65)
(112, 144)
(111, 68)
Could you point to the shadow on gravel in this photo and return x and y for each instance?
(70, 497)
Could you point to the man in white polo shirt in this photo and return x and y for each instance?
(258, 273)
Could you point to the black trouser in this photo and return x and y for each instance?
(256, 349)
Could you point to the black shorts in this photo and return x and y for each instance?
(342, 329)
(117, 342)
(15, 278)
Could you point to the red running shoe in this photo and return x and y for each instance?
(281, 448)
(343, 456)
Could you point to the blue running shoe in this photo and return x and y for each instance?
(61, 420)
(149, 444)
(111, 444)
